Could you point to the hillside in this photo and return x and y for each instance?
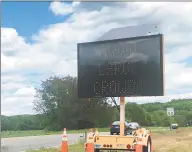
(183, 112)
(178, 105)
(20, 122)
(150, 114)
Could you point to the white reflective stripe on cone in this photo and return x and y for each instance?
(64, 138)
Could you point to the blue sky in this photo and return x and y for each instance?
(58, 27)
(189, 62)
(28, 17)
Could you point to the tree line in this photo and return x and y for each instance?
(58, 106)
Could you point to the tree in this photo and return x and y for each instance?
(81, 113)
(57, 99)
(136, 114)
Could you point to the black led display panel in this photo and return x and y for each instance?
(124, 67)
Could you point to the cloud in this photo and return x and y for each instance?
(11, 41)
(25, 91)
(17, 105)
(18, 102)
(59, 8)
(12, 78)
(180, 53)
(11, 86)
(54, 51)
(167, 98)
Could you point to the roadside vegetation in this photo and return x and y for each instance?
(58, 107)
(19, 133)
(78, 147)
(72, 148)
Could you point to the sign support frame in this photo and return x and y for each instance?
(170, 123)
(122, 116)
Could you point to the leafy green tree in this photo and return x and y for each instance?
(58, 101)
(135, 113)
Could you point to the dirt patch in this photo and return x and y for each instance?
(173, 141)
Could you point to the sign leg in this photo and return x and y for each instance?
(122, 116)
(170, 123)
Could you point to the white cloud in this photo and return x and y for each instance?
(11, 86)
(167, 98)
(11, 41)
(26, 91)
(67, 66)
(61, 8)
(177, 77)
(180, 54)
(7, 63)
(54, 49)
(19, 102)
(17, 105)
(12, 78)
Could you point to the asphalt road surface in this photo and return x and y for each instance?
(21, 144)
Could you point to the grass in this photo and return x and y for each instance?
(72, 148)
(79, 147)
(173, 141)
(165, 140)
(8, 134)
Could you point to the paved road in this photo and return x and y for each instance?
(19, 144)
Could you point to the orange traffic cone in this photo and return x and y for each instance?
(139, 145)
(90, 142)
(64, 144)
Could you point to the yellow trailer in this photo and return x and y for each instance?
(139, 141)
(117, 142)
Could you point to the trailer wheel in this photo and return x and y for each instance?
(148, 147)
(96, 150)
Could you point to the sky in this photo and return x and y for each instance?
(39, 40)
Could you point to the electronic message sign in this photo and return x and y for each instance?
(122, 67)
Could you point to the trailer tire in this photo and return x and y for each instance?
(96, 150)
(148, 147)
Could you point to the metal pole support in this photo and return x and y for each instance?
(122, 116)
